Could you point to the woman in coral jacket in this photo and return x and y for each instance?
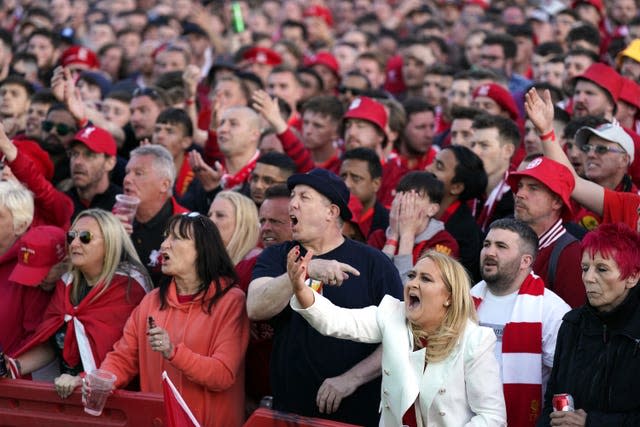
(194, 327)
(438, 365)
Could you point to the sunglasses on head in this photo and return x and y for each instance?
(600, 149)
(146, 91)
(84, 236)
(61, 128)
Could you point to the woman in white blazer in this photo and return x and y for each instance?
(438, 365)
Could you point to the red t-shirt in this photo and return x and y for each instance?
(621, 207)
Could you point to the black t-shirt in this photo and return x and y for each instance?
(302, 358)
(148, 237)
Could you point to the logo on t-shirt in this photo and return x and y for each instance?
(497, 329)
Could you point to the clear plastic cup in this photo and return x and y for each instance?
(126, 206)
(98, 386)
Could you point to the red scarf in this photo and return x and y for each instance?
(521, 351)
(448, 213)
(184, 178)
(230, 182)
(102, 318)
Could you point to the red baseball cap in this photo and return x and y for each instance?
(79, 55)
(41, 248)
(97, 140)
(605, 77)
(325, 58)
(319, 12)
(365, 108)
(555, 176)
(262, 55)
(501, 96)
(39, 158)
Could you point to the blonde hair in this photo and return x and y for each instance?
(245, 236)
(119, 253)
(441, 343)
(19, 201)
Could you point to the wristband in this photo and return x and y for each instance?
(551, 135)
(189, 101)
(391, 242)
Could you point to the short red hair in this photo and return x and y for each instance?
(617, 242)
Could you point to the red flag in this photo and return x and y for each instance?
(176, 411)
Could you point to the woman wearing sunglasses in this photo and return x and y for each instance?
(89, 308)
(194, 327)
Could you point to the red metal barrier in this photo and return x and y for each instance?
(263, 417)
(30, 403)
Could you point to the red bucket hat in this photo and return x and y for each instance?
(97, 140)
(605, 77)
(365, 108)
(501, 96)
(555, 176)
(630, 92)
(79, 55)
(40, 249)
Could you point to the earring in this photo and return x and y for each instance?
(447, 304)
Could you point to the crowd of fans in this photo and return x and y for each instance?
(405, 212)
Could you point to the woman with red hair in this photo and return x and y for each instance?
(598, 346)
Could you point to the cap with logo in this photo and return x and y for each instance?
(41, 248)
(97, 140)
(555, 176)
(365, 108)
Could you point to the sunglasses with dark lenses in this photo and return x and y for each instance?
(600, 149)
(354, 91)
(84, 236)
(61, 128)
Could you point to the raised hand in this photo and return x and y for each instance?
(539, 110)
(268, 108)
(209, 177)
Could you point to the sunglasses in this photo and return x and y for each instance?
(84, 236)
(61, 128)
(354, 91)
(600, 149)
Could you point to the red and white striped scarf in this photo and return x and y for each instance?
(521, 351)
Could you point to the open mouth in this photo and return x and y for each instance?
(294, 219)
(414, 301)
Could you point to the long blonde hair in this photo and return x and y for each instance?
(119, 253)
(441, 343)
(245, 236)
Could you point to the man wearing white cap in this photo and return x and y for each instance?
(610, 151)
(612, 205)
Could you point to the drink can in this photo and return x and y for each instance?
(316, 285)
(563, 402)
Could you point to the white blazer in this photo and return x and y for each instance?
(463, 390)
